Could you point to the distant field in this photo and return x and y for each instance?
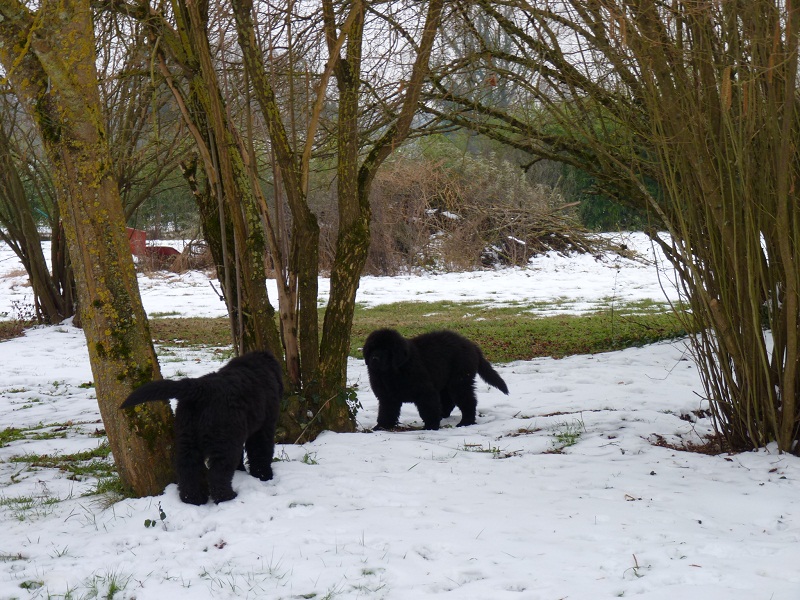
(506, 333)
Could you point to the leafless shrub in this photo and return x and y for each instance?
(467, 214)
(196, 255)
(641, 100)
(407, 200)
(23, 315)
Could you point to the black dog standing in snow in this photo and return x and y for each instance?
(436, 371)
(217, 415)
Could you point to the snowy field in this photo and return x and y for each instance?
(557, 284)
(559, 491)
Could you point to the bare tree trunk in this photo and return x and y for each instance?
(324, 364)
(51, 305)
(298, 285)
(49, 59)
(355, 183)
(241, 256)
(316, 371)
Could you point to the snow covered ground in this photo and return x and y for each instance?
(559, 283)
(558, 492)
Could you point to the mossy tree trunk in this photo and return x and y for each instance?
(354, 181)
(49, 59)
(253, 311)
(296, 274)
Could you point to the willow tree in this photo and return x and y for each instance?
(323, 44)
(702, 97)
(47, 53)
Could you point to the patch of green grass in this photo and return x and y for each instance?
(511, 333)
(78, 466)
(106, 585)
(310, 458)
(10, 434)
(567, 434)
(504, 333)
(497, 453)
(31, 585)
(194, 331)
(112, 489)
(24, 508)
(160, 315)
(488, 449)
(645, 305)
(48, 435)
(51, 431)
(6, 557)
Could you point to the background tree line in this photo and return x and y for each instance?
(684, 112)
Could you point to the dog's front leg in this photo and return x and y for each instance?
(221, 467)
(429, 405)
(388, 414)
(260, 448)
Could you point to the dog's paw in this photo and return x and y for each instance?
(224, 497)
(262, 474)
(198, 499)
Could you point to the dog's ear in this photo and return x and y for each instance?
(401, 352)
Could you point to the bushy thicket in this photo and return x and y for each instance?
(599, 211)
(464, 212)
(441, 203)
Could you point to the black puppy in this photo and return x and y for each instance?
(436, 371)
(217, 415)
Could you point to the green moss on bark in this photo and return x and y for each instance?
(148, 424)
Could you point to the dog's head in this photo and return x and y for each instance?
(386, 350)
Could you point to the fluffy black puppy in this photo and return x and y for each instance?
(436, 371)
(217, 415)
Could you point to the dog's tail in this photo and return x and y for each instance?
(163, 389)
(490, 376)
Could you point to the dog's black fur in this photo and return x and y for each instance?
(217, 415)
(436, 371)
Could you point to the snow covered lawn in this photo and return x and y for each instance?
(560, 491)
